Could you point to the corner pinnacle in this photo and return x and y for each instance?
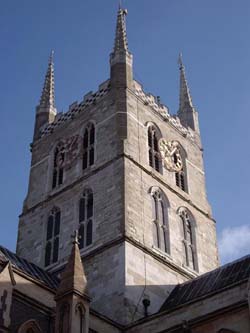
(48, 94)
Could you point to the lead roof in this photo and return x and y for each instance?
(212, 282)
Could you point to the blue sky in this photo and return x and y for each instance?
(214, 39)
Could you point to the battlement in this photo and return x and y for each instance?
(75, 108)
(91, 98)
(163, 111)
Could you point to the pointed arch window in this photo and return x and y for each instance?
(58, 169)
(30, 326)
(189, 247)
(86, 212)
(88, 146)
(153, 150)
(180, 177)
(80, 311)
(52, 237)
(160, 221)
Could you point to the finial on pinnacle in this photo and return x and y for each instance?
(120, 10)
(51, 57)
(75, 237)
(180, 62)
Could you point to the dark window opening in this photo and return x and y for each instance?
(53, 231)
(153, 149)
(88, 146)
(86, 207)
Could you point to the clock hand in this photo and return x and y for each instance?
(173, 151)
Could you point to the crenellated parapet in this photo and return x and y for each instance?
(163, 111)
(76, 108)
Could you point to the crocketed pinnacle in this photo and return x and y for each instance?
(73, 278)
(48, 94)
(186, 103)
(121, 43)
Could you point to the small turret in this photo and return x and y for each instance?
(72, 300)
(121, 60)
(187, 114)
(46, 110)
(121, 73)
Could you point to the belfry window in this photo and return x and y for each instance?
(52, 237)
(86, 207)
(153, 150)
(160, 221)
(188, 239)
(88, 146)
(180, 177)
(58, 170)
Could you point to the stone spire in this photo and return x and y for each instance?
(185, 96)
(187, 114)
(121, 73)
(72, 300)
(48, 93)
(121, 42)
(121, 60)
(46, 110)
(73, 278)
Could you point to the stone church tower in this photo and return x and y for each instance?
(140, 206)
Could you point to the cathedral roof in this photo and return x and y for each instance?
(208, 284)
(28, 268)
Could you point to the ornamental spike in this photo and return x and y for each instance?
(121, 42)
(185, 96)
(48, 94)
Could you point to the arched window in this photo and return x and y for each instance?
(29, 326)
(88, 146)
(180, 177)
(86, 210)
(58, 169)
(153, 150)
(160, 220)
(188, 235)
(52, 238)
(80, 311)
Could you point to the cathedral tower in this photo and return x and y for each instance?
(129, 176)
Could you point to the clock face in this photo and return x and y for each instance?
(170, 154)
(72, 149)
(69, 150)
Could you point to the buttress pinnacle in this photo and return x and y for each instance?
(186, 103)
(187, 113)
(121, 42)
(48, 94)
